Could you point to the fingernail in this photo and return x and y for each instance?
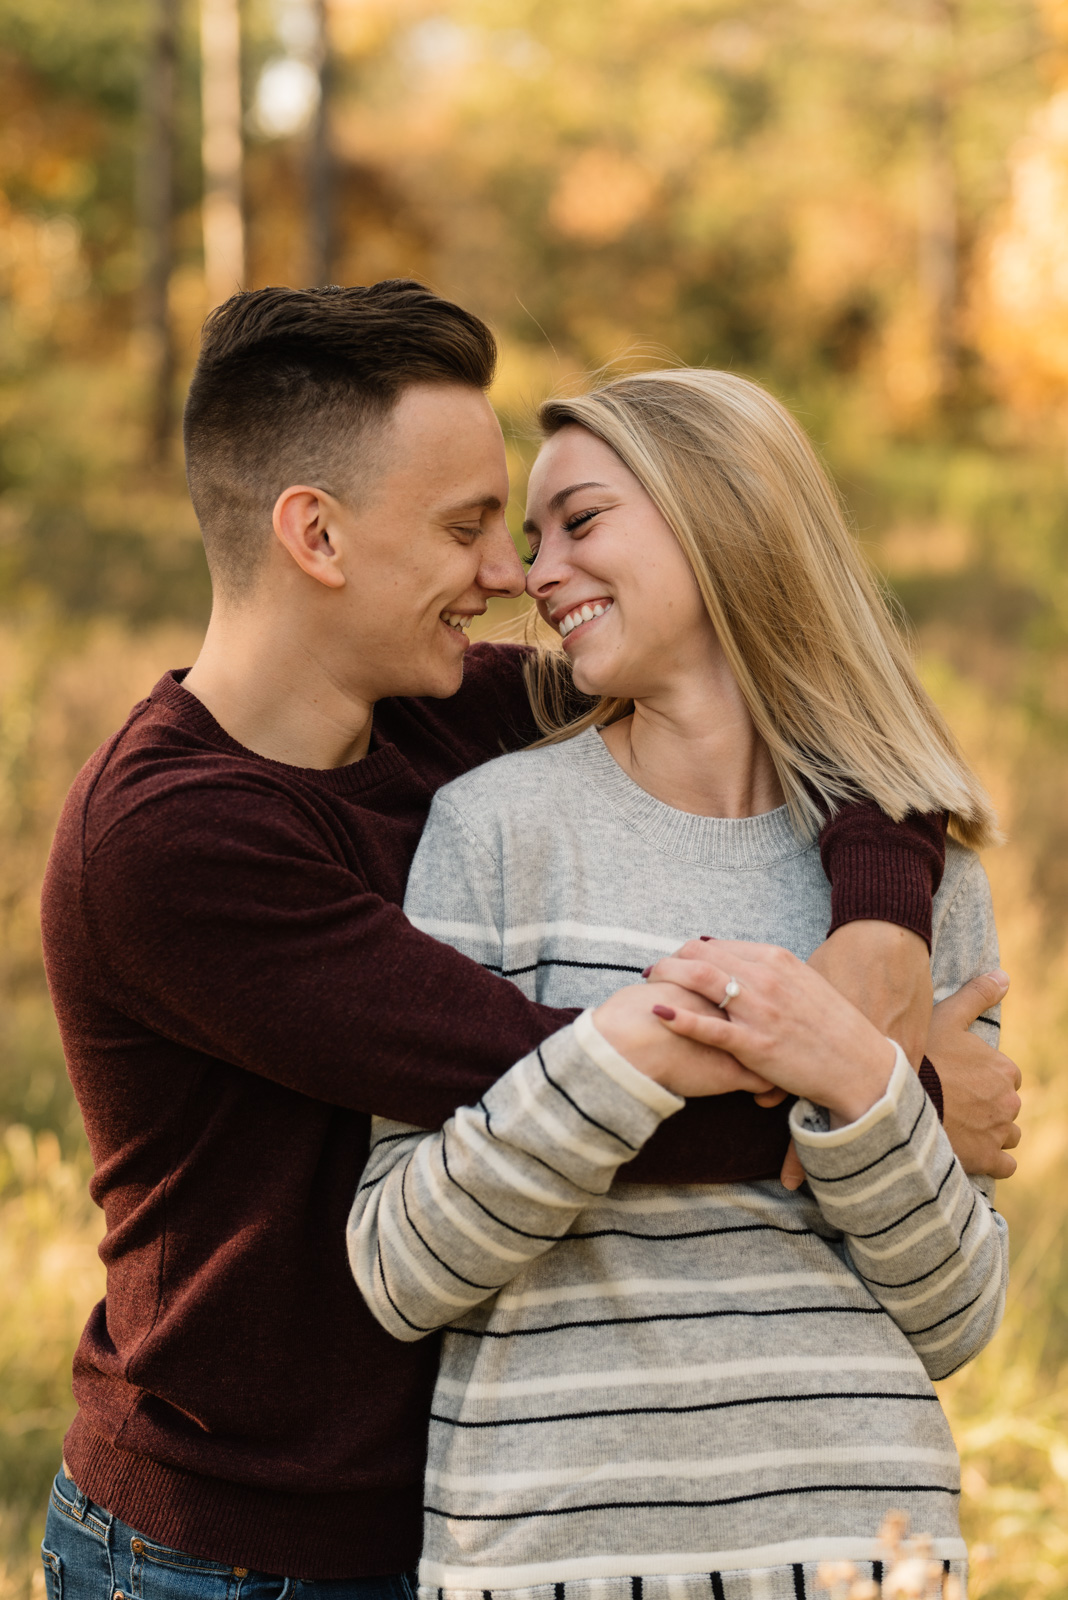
(646, 972)
(664, 1011)
(1000, 977)
(706, 938)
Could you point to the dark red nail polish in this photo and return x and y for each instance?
(647, 971)
(706, 938)
(665, 1012)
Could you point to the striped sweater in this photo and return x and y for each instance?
(686, 1392)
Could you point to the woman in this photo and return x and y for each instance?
(702, 1390)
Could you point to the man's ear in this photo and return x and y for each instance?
(304, 520)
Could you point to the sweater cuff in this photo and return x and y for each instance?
(881, 870)
(928, 1076)
(878, 1127)
(619, 1069)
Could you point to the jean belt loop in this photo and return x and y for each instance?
(81, 1501)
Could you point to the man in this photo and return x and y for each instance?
(238, 989)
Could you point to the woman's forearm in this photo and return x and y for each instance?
(925, 1241)
(443, 1220)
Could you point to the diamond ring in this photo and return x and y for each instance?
(731, 992)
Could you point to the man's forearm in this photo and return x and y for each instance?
(886, 972)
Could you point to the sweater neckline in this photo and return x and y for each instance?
(734, 842)
(382, 762)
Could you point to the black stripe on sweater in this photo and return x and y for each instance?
(877, 1233)
(798, 1490)
(903, 1145)
(530, 1156)
(694, 1233)
(909, 1282)
(914, 1333)
(673, 1316)
(559, 961)
(551, 1081)
(552, 960)
(484, 1288)
(548, 1238)
(670, 1411)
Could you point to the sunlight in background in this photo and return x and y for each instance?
(286, 97)
(287, 90)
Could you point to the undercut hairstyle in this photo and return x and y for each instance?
(804, 624)
(294, 386)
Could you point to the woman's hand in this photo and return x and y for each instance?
(786, 1023)
(683, 1065)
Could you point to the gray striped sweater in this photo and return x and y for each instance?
(685, 1392)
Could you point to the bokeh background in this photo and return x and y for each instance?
(863, 203)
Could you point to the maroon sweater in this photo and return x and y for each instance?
(237, 991)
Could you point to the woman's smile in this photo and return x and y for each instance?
(579, 616)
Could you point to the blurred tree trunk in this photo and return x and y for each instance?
(157, 219)
(320, 159)
(940, 225)
(221, 148)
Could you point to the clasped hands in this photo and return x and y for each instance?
(821, 1030)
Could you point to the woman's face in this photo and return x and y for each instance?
(609, 574)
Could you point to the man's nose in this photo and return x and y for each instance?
(501, 571)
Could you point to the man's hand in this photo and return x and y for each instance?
(979, 1084)
(684, 1066)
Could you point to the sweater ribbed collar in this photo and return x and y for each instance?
(733, 842)
(382, 763)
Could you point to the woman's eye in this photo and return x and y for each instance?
(529, 559)
(580, 519)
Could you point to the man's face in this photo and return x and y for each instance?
(426, 546)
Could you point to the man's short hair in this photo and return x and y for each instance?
(292, 385)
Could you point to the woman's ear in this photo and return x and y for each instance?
(304, 522)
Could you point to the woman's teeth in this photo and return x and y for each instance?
(581, 614)
(455, 620)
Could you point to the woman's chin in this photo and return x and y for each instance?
(599, 686)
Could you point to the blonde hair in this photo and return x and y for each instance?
(825, 673)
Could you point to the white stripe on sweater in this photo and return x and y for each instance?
(717, 1467)
(706, 1372)
(623, 1288)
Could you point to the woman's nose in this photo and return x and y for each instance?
(544, 575)
(539, 587)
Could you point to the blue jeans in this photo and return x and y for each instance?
(90, 1555)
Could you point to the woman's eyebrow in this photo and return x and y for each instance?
(558, 499)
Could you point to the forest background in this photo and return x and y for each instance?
(862, 203)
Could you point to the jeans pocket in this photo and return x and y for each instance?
(159, 1573)
(53, 1571)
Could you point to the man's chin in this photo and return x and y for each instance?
(438, 682)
